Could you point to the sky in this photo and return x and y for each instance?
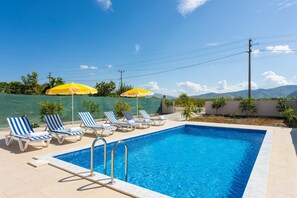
(169, 47)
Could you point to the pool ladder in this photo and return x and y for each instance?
(112, 158)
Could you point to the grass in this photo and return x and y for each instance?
(262, 121)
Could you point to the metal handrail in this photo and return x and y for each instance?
(112, 160)
(92, 155)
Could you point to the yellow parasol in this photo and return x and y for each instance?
(71, 89)
(135, 93)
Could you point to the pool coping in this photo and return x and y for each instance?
(256, 186)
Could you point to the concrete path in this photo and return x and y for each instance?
(18, 179)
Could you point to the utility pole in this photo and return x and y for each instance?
(49, 77)
(121, 85)
(249, 78)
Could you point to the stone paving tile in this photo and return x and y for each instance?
(48, 181)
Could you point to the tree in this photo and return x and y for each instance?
(281, 104)
(31, 85)
(189, 108)
(3, 87)
(290, 116)
(15, 87)
(53, 82)
(199, 103)
(248, 105)
(125, 87)
(217, 103)
(183, 100)
(105, 88)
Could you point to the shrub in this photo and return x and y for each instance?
(248, 106)
(91, 106)
(281, 105)
(47, 107)
(290, 116)
(187, 113)
(218, 103)
(233, 115)
(199, 103)
(34, 125)
(183, 100)
(168, 102)
(121, 106)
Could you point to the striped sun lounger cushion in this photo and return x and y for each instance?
(20, 127)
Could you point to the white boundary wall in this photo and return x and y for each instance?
(264, 108)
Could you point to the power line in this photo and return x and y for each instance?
(187, 66)
(178, 68)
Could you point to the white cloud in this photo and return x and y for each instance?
(109, 66)
(256, 52)
(244, 85)
(187, 6)
(87, 67)
(279, 49)
(137, 48)
(271, 77)
(192, 88)
(286, 4)
(105, 4)
(154, 87)
(222, 85)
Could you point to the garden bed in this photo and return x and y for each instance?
(262, 121)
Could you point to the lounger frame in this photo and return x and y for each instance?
(21, 131)
(55, 126)
(88, 122)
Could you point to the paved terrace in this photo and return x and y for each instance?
(18, 179)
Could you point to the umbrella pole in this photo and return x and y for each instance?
(72, 112)
(137, 106)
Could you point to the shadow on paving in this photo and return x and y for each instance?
(294, 139)
(14, 147)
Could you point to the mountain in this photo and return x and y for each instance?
(293, 95)
(161, 96)
(283, 91)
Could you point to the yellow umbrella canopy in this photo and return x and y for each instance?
(135, 93)
(71, 89)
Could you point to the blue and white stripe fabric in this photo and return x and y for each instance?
(128, 115)
(112, 117)
(156, 121)
(114, 120)
(89, 121)
(55, 124)
(21, 127)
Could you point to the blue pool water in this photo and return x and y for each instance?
(185, 161)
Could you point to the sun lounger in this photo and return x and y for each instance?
(58, 130)
(144, 122)
(21, 130)
(122, 125)
(156, 120)
(88, 122)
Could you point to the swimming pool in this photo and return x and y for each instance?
(185, 161)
